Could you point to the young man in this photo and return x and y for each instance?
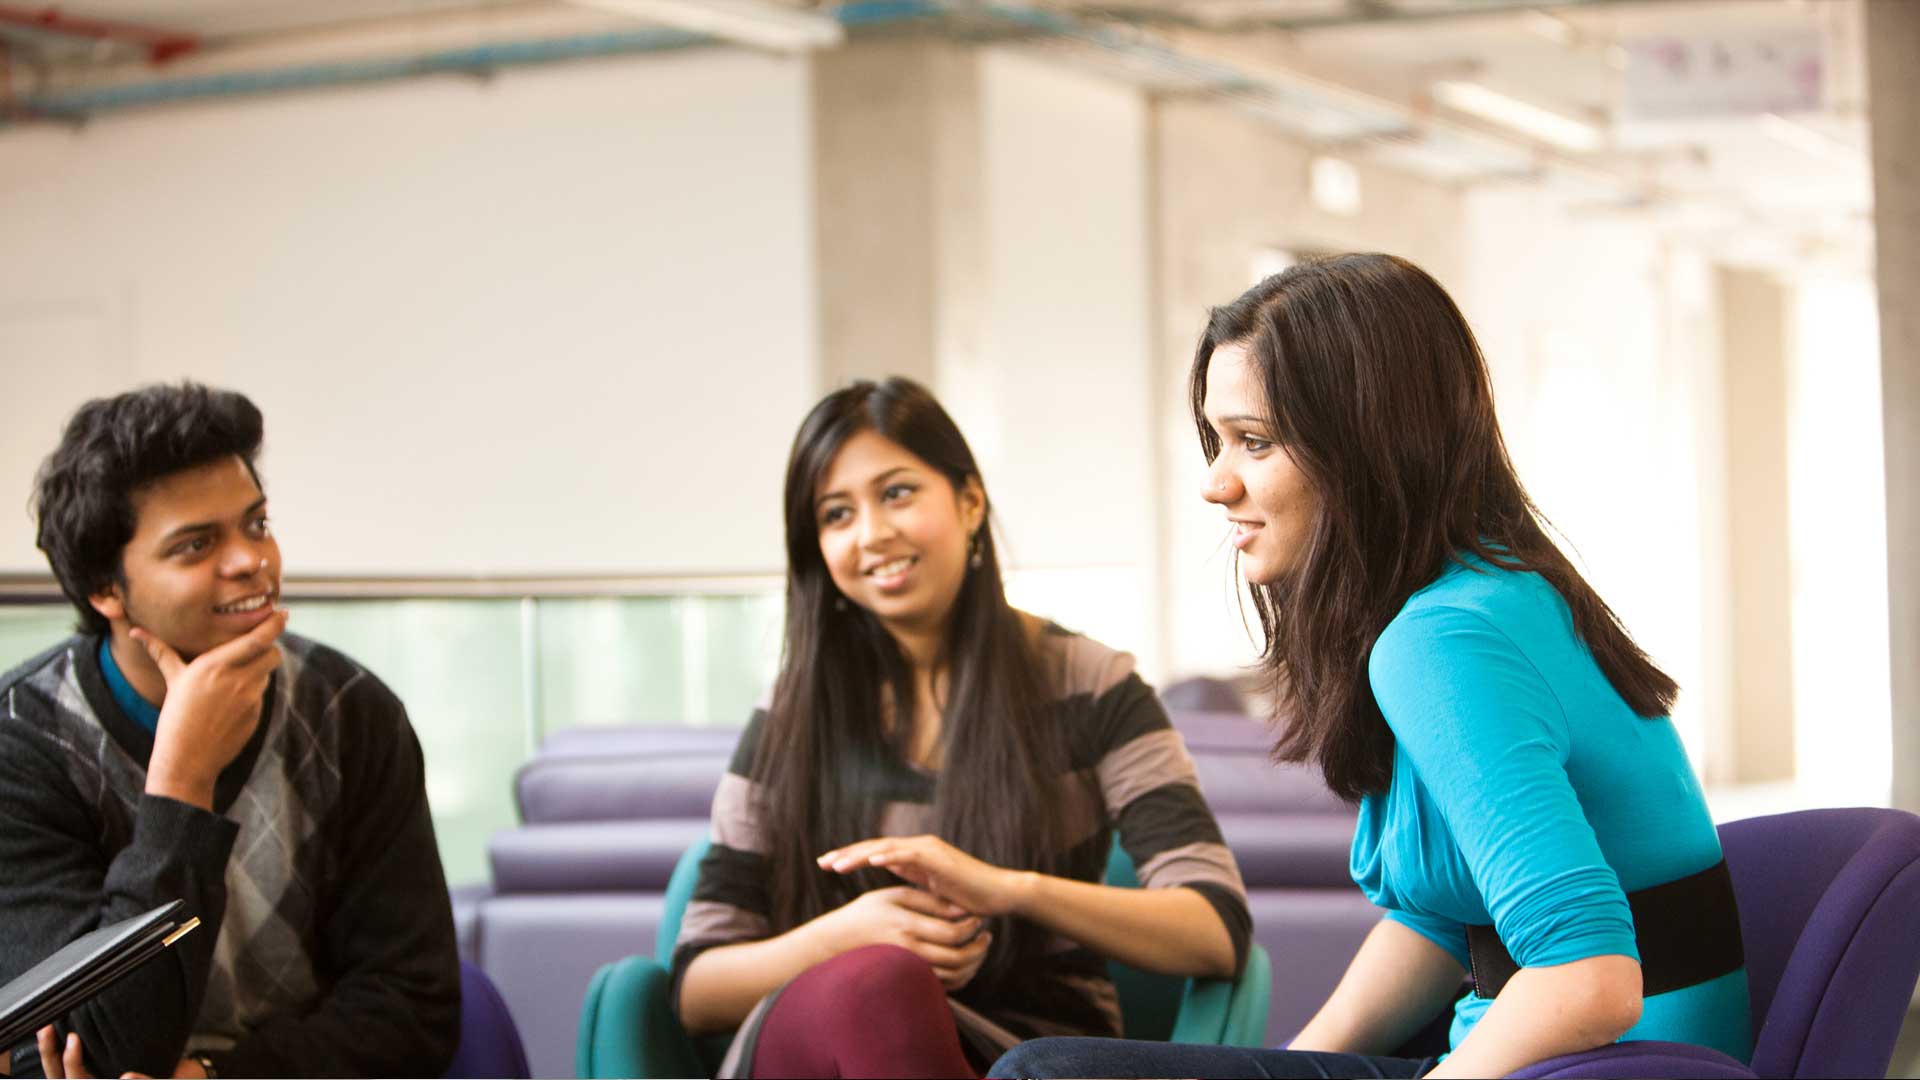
(182, 747)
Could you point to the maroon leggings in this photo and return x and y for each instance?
(876, 1011)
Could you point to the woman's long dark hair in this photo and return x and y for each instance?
(825, 738)
(1377, 390)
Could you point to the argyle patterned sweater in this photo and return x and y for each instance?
(326, 945)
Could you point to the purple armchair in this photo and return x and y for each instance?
(489, 1042)
(1827, 913)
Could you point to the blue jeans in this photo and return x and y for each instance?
(1062, 1057)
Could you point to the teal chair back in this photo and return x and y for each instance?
(686, 874)
(1149, 1003)
(627, 1027)
(1173, 1008)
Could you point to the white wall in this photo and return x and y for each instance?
(1602, 345)
(1228, 189)
(1892, 37)
(1057, 397)
(565, 321)
(541, 324)
(1837, 468)
(1612, 380)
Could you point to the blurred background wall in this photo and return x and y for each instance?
(534, 294)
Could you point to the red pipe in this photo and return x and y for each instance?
(160, 45)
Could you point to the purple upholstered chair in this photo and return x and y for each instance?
(1203, 694)
(489, 1041)
(1829, 905)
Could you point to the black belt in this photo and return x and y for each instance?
(1688, 932)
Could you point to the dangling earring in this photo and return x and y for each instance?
(976, 559)
(840, 603)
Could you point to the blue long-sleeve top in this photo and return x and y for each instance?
(1527, 794)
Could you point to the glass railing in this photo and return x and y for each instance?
(26, 628)
(487, 674)
(487, 668)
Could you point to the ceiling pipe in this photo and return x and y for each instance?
(160, 46)
(1283, 97)
(744, 22)
(79, 104)
(1367, 116)
(76, 105)
(1357, 13)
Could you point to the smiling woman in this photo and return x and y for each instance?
(906, 847)
(1527, 815)
(896, 535)
(1269, 502)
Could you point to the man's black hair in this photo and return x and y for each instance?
(83, 493)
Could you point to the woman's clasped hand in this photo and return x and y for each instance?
(951, 940)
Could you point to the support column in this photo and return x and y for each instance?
(890, 119)
(1755, 332)
(982, 218)
(1893, 101)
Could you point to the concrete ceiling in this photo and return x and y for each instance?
(218, 20)
(1797, 179)
(1355, 75)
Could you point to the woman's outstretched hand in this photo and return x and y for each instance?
(938, 867)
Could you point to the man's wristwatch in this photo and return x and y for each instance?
(206, 1065)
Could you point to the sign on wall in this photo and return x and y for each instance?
(1681, 78)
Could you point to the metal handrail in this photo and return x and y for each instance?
(42, 589)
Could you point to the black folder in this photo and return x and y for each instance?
(69, 978)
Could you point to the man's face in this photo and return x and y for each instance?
(202, 567)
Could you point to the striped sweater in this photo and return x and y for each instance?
(1131, 774)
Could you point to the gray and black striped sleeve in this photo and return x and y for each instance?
(730, 901)
(1152, 794)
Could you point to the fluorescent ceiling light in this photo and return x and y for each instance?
(1810, 142)
(1334, 186)
(1522, 116)
(1552, 27)
(757, 23)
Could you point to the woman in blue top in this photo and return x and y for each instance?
(1520, 785)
